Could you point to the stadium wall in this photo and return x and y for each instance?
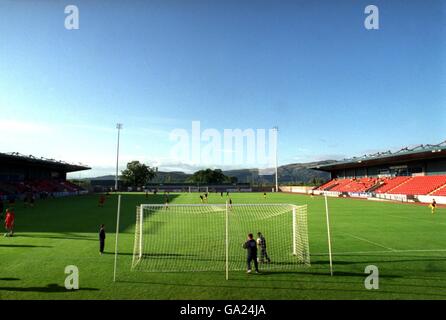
(384, 196)
(296, 189)
(428, 199)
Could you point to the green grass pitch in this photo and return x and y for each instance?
(406, 242)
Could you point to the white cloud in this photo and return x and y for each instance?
(14, 127)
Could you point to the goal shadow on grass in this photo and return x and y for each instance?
(381, 260)
(152, 227)
(232, 284)
(322, 274)
(335, 280)
(155, 255)
(119, 253)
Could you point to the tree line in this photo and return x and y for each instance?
(138, 174)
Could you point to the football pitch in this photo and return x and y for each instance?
(405, 242)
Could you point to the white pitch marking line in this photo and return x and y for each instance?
(374, 243)
(421, 250)
(379, 252)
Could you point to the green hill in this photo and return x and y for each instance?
(296, 173)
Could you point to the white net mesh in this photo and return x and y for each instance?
(198, 189)
(191, 238)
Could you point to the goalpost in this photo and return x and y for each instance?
(198, 189)
(209, 237)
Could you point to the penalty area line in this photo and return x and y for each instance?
(371, 242)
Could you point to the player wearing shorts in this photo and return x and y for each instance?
(9, 222)
(101, 239)
(166, 201)
(433, 206)
(251, 253)
(101, 200)
(261, 243)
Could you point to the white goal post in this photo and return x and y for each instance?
(198, 189)
(209, 237)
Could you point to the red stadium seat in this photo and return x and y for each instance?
(349, 185)
(38, 186)
(440, 191)
(328, 185)
(391, 183)
(421, 185)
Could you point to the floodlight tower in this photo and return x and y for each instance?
(276, 129)
(119, 127)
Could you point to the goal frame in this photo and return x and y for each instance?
(226, 206)
(197, 187)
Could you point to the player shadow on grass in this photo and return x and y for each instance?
(51, 288)
(9, 279)
(59, 237)
(23, 246)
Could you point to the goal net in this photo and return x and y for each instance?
(210, 237)
(198, 189)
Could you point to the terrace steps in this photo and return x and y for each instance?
(399, 185)
(442, 188)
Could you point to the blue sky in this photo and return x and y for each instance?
(334, 88)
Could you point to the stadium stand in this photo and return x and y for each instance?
(38, 187)
(361, 185)
(21, 174)
(391, 183)
(419, 185)
(328, 185)
(439, 191)
(410, 174)
(349, 185)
